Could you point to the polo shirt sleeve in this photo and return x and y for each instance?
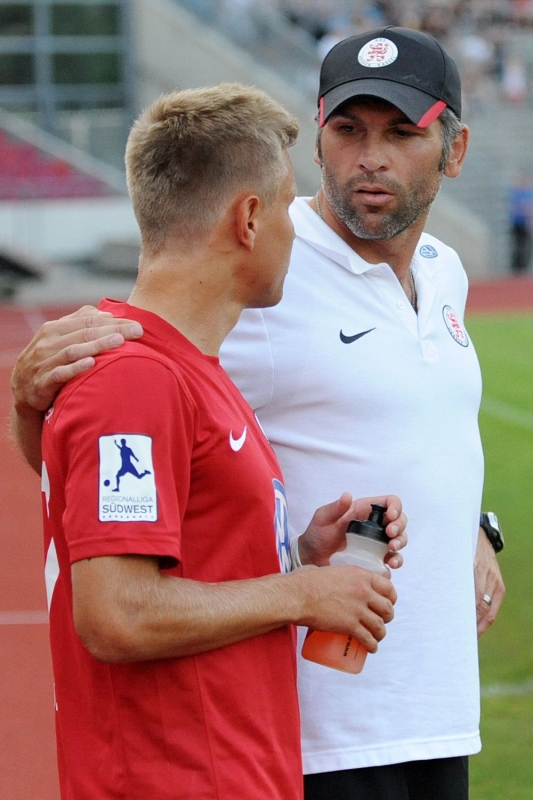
(124, 436)
(458, 280)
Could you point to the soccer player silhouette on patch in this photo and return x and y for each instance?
(126, 454)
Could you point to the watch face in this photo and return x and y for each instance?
(493, 519)
(490, 524)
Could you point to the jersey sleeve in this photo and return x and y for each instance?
(247, 358)
(124, 439)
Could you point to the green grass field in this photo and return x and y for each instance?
(504, 769)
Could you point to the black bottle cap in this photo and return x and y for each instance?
(373, 527)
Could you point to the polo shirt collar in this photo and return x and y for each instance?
(321, 237)
(310, 228)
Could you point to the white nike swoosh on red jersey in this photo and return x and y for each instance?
(236, 444)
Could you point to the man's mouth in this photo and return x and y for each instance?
(375, 195)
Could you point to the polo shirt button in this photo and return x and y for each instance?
(401, 304)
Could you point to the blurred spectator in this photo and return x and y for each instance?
(476, 63)
(522, 11)
(514, 79)
(316, 17)
(521, 221)
(437, 21)
(499, 36)
(478, 33)
(332, 38)
(390, 11)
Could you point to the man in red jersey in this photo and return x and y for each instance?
(169, 584)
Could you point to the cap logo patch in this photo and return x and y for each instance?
(378, 52)
(454, 326)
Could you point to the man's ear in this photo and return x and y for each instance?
(457, 154)
(247, 214)
(317, 158)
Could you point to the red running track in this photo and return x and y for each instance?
(27, 739)
(504, 295)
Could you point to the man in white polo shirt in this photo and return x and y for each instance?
(364, 375)
(367, 349)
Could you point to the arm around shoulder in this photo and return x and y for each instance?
(59, 351)
(26, 426)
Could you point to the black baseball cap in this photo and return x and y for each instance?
(403, 66)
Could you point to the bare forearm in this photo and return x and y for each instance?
(158, 616)
(26, 425)
(210, 616)
(125, 610)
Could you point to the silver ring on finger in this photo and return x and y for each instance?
(487, 599)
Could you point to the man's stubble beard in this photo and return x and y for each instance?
(379, 225)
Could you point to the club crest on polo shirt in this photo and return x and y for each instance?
(455, 326)
(127, 490)
(281, 526)
(378, 52)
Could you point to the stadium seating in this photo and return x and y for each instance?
(27, 173)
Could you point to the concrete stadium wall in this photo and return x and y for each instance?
(65, 230)
(465, 232)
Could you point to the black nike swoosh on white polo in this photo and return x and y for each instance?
(350, 339)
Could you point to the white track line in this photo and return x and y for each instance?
(507, 413)
(33, 318)
(507, 689)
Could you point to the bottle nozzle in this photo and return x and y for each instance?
(373, 527)
(377, 514)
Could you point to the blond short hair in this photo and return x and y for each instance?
(189, 150)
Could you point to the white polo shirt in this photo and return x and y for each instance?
(356, 392)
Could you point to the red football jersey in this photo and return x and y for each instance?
(155, 452)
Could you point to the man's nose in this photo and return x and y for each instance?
(373, 154)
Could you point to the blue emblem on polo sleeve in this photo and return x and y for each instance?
(428, 251)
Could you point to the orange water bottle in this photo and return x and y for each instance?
(366, 547)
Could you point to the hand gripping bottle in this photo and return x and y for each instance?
(367, 545)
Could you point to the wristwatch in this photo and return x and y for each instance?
(489, 522)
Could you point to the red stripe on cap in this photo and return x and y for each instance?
(431, 115)
(321, 120)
